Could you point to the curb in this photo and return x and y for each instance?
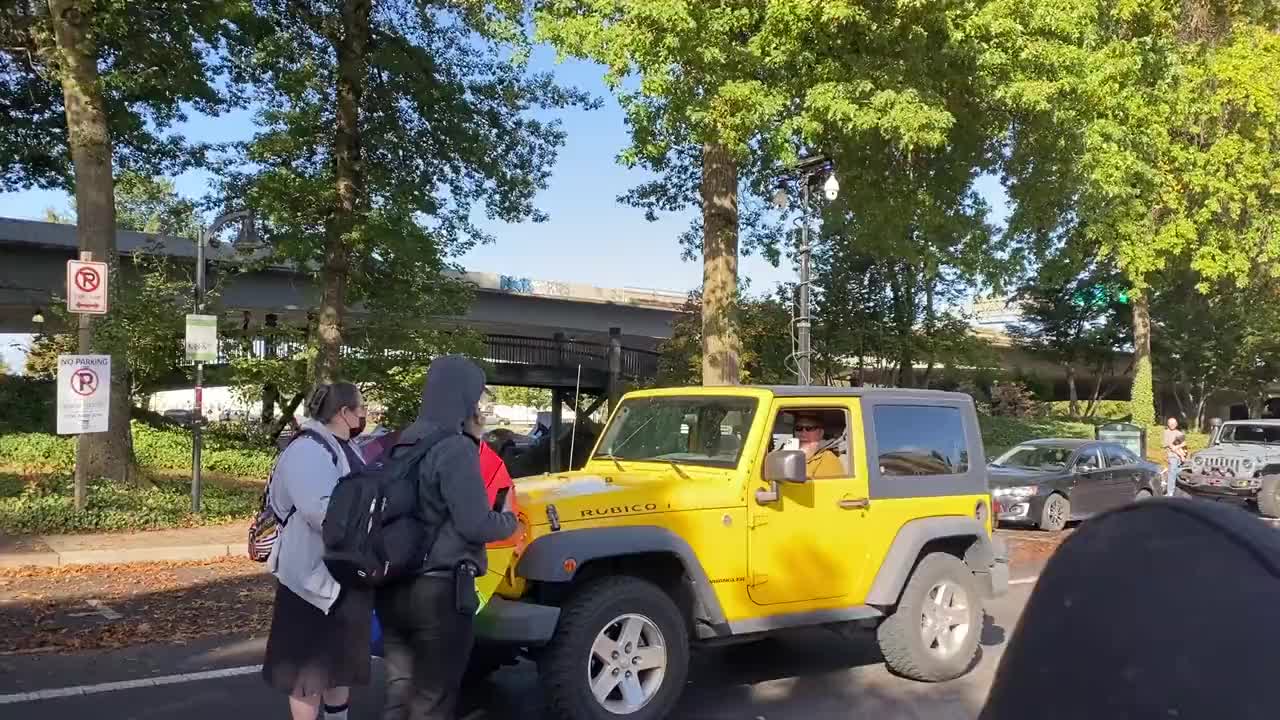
(175, 553)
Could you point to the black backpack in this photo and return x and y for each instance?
(373, 532)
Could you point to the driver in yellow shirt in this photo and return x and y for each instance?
(821, 459)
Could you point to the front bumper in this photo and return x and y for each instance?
(515, 622)
(995, 579)
(1018, 511)
(1221, 487)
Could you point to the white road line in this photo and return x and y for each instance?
(128, 684)
(1024, 581)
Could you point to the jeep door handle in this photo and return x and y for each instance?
(854, 503)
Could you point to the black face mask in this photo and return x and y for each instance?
(358, 430)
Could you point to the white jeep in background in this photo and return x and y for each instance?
(1241, 465)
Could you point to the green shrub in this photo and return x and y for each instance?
(44, 505)
(156, 449)
(27, 405)
(1001, 433)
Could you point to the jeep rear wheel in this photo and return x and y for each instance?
(933, 633)
(1269, 496)
(621, 650)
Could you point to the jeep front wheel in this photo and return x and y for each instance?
(1269, 496)
(621, 649)
(933, 633)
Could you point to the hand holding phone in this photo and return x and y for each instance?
(500, 502)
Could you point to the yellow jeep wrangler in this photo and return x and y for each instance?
(711, 515)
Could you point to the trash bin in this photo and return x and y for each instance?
(1131, 436)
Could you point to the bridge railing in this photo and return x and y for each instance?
(498, 350)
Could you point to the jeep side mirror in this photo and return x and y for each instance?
(785, 466)
(781, 466)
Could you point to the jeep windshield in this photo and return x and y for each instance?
(693, 430)
(1250, 434)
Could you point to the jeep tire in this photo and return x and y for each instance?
(1269, 496)
(933, 633)
(620, 650)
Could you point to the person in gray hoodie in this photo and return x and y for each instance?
(427, 627)
(319, 641)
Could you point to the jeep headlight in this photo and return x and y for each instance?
(1247, 464)
(1197, 461)
(1019, 492)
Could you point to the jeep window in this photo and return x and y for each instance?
(686, 430)
(1035, 457)
(1251, 434)
(831, 457)
(920, 440)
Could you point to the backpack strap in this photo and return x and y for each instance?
(318, 438)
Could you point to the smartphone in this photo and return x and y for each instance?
(501, 500)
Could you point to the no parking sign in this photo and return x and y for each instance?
(84, 393)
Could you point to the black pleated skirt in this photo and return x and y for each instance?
(309, 652)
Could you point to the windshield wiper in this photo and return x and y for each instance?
(679, 470)
(607, 456)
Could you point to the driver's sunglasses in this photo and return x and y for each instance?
(808, 428)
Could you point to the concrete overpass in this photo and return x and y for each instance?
(539, 331)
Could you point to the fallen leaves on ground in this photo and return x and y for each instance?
(1032, 549)
(47, 609)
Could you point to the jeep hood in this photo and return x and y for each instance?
(583, 496)
(1241, 451)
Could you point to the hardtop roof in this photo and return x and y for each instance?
(789, 391)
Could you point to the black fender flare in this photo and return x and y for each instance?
(900, 560)
(544, 560)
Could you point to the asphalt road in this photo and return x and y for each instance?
(811, 674)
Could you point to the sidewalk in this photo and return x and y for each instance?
(202, 543)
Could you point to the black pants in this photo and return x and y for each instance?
(427, 644)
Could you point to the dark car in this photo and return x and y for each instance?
(1047, 483)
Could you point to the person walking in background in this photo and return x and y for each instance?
(1175, 450)
(320, 632)
(427, 620)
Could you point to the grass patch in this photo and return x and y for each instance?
(42, 503)
(36, 486)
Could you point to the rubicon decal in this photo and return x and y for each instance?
(619, 510)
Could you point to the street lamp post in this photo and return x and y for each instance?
(197, 440)
(808, 168)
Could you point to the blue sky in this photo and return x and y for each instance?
(590, 237)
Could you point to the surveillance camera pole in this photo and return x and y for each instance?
(803, 321)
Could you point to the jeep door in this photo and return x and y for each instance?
(808, 544)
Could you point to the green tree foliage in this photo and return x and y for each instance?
(383, 126)
(536, 398)
(1149, 127)
(764, 323)
(725, 93)
(1071, 314)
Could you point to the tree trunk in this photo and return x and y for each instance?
(348, 158)
(1073, 403)
(719, 266)
(903, 320)
(108, 454)
(1142, 395)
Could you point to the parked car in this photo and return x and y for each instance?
(1242, 465)
(1048, 483)
(180, 416)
